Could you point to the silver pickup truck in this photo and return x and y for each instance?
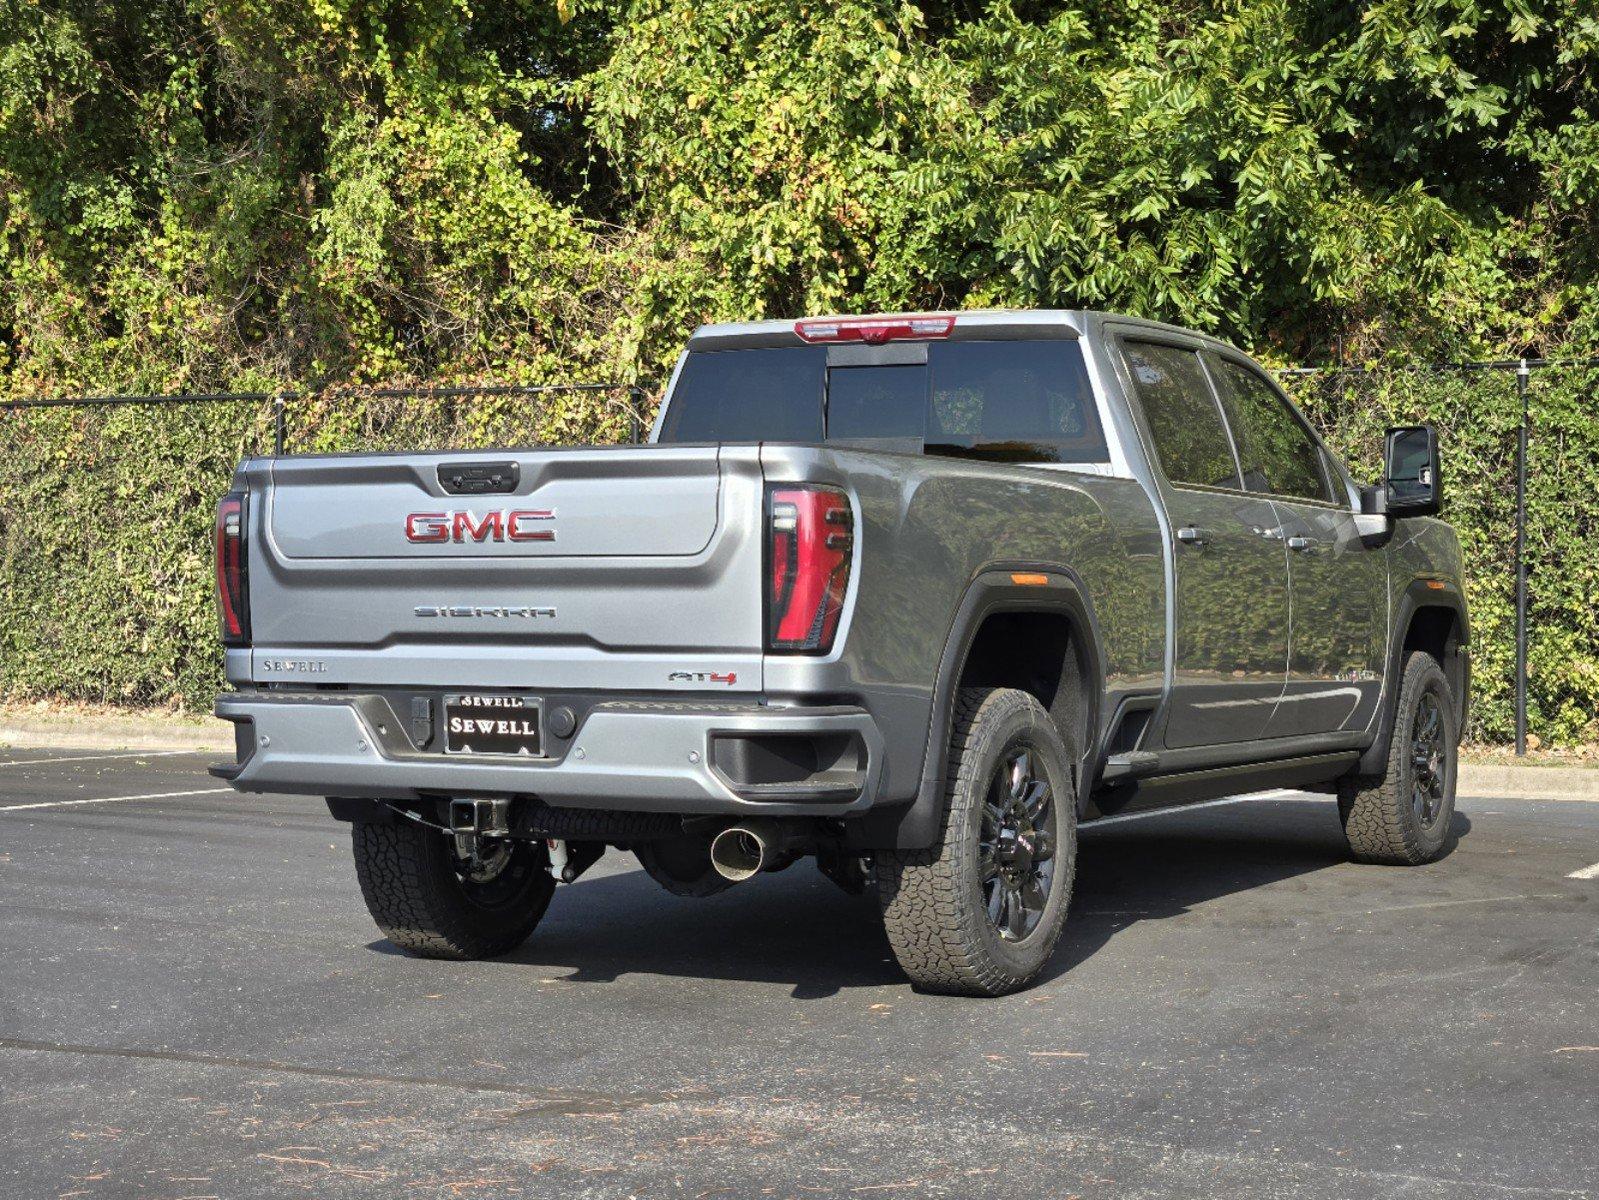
(915, 596)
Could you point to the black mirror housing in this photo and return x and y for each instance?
(1412, 479)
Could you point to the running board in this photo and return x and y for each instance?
(1191, 787)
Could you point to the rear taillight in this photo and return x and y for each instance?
(809, 540)
(233, 579)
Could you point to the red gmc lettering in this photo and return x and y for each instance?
(491, 524)
(427, 527)
(467, 526)
(514, 525)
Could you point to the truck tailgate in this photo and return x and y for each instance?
(628, 569)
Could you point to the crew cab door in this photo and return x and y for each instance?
(1230, 644)
(1338, 582)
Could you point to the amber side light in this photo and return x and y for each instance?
(1436, 585)
(1026, 580)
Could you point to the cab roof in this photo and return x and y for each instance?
(984, 324)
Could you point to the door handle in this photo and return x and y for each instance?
(1304, 545)
(1193, 535)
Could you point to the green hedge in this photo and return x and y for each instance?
(1477, 413)
(105, 517)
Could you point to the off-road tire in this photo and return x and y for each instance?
(1379, 816)
(414, 893)
(932, 900)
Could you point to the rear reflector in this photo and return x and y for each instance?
(875, 330)
(810, 538)
(233, 591)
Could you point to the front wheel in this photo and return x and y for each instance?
(1403, 817)
(979, 913)
(428, 899)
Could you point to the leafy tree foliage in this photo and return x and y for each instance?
(1407, 177)
(303, 190)
(325, 193)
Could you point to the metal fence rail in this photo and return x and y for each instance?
(280, 401)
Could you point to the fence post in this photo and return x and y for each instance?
(280, 423)
(1521, 564)
(635, 396)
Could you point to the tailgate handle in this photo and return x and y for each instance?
(479, 478)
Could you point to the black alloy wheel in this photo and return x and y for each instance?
(1016, 847)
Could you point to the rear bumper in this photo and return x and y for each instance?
(643, 756)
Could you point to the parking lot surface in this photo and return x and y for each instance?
(194, 1003)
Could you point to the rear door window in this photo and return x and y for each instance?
(1020, 401)
(1027, 401)
(1190, 438)
(1277, 453)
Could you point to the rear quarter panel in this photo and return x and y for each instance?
(927, 529)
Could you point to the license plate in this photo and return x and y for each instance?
(491, 725)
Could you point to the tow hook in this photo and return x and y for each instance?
(473, 820)
(568, 860)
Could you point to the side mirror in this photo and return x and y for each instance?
(1411, 477)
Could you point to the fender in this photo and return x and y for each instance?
(914, 826)
(1422, 592)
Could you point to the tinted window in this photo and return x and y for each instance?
(1190, 439)
(1017, 401)
(749, 396)
(1276, 451)
(1337, 477)
(874, 403)
(1023, 401)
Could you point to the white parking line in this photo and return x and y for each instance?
(1586, 873)
(1182, 808)
(111, 799)
(37, 762)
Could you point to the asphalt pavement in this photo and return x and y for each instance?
(194, 1003)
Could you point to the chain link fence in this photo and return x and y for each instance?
(1520, 446)
(357, 418)
(106, 501)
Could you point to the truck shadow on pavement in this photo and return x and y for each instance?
(795, 928)
(1167, 865)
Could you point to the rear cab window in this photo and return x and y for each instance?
(1011, 400)
(748, 396)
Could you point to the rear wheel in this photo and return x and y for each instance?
(428, 899)
(979, 912)
(1403, 817)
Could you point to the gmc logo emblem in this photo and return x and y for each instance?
(518, 525)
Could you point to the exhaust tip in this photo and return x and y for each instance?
(738, 853)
